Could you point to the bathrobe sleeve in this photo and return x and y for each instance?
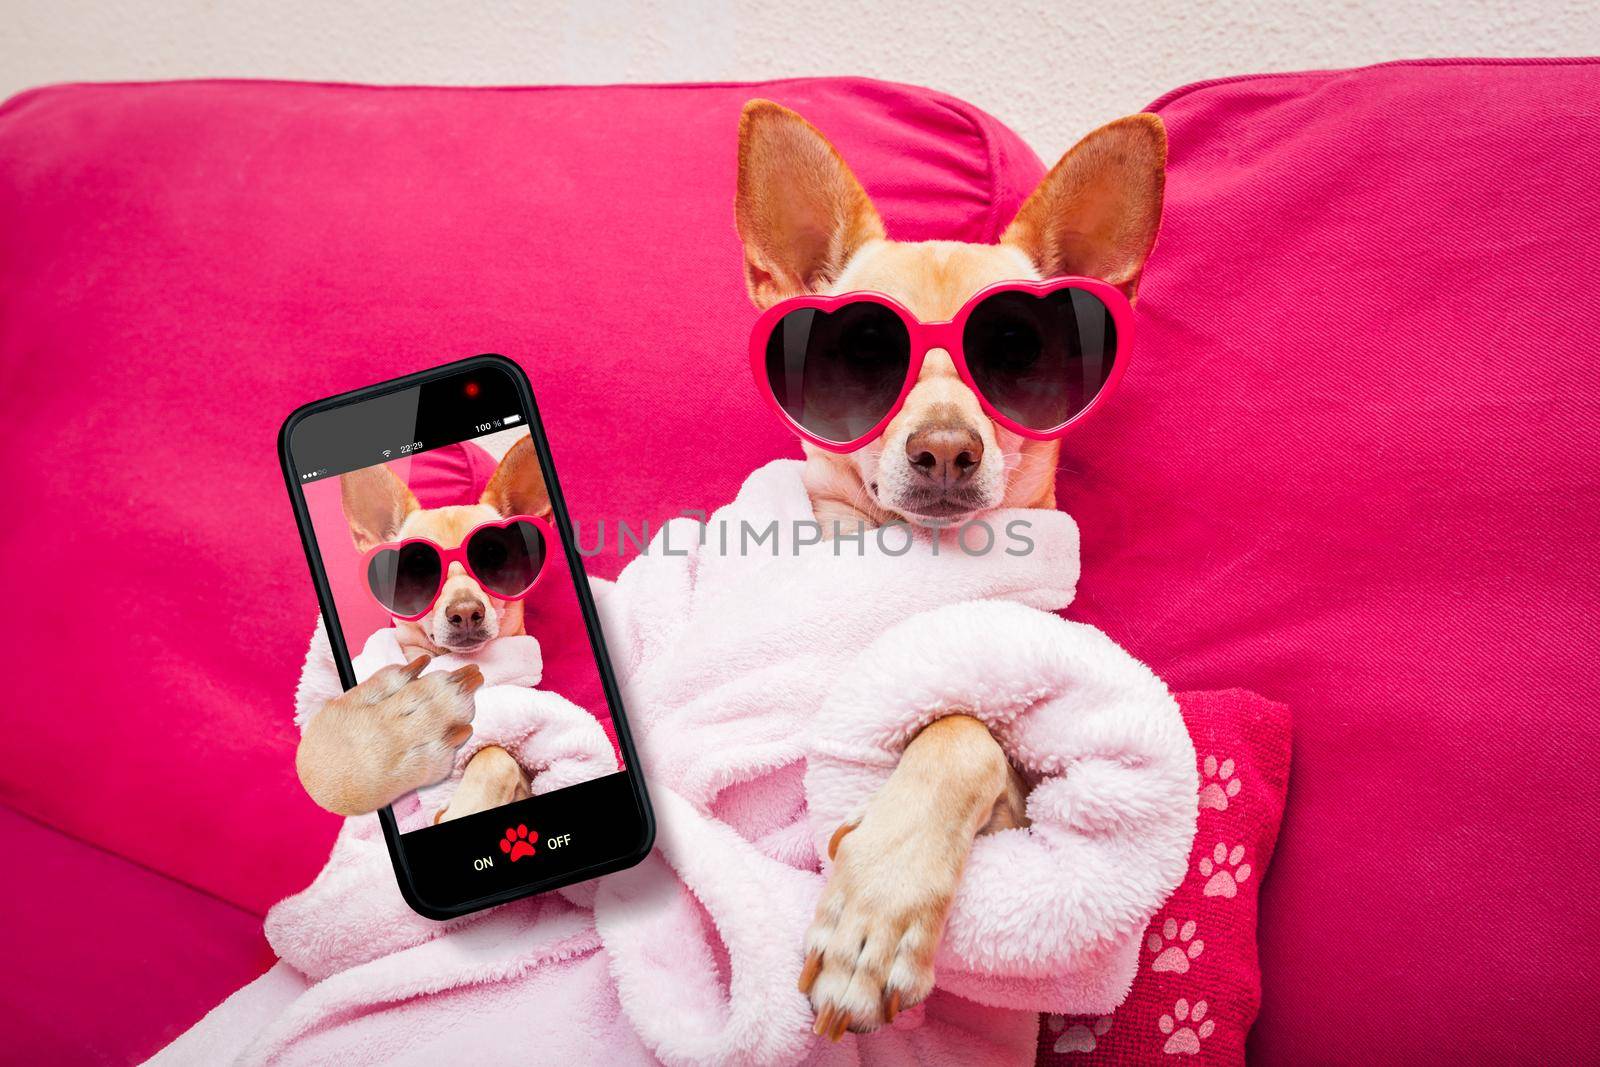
(352, 913)
(1047, 917)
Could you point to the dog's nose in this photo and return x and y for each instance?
(464, 613)
(947, 454)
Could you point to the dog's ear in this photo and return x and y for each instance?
(375, 502)
(1096, 213)
(517, 487)
(799, 210)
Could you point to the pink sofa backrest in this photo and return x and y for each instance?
(1355, 467)
(183, 264)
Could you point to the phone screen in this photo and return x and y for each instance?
(435, 527)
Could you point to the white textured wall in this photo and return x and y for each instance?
(1050, 70)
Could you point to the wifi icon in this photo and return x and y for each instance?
(386, 453)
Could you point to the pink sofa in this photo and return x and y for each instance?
(1353, 467)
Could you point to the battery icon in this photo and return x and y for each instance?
(509, 419)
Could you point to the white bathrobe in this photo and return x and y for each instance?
(771, 687)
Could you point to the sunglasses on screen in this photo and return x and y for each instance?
(505, 557)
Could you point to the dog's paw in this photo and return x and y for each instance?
(424, 719)
(395, 732)
(491, 779)
(870, 949)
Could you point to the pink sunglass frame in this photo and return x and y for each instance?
(447, 556)
(926, 336)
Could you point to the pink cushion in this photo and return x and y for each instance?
(1355, 469)
(107, 962)
(183, 264)
(1198, 985)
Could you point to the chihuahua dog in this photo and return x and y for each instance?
(398, 730)
(808, 227)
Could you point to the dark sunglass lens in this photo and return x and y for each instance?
(405, 579)
(838, 373)
(1040, 360)
(506, 559)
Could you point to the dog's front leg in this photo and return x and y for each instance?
(491, 779)
(395, 732)
(870, 949)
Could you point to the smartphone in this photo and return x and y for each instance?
(433, 522)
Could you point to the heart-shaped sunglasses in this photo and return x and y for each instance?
(505, 556)
(1039, 355)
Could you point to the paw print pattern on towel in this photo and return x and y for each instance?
(1221, 786)
(1081, 1036)
(1223, 871)
(1184, 1028)
(1174, 946)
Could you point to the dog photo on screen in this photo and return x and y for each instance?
(447, 569)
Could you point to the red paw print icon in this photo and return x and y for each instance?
(518, 842)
